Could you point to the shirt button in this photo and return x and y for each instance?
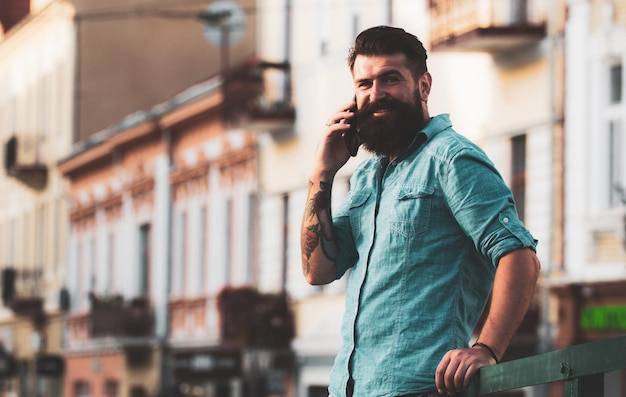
(505, 220)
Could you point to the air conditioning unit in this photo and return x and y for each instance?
(22, 155)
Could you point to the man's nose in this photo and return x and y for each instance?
(377, 92)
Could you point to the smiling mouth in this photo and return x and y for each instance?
(380, 112)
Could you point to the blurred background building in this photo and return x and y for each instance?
(156, 159)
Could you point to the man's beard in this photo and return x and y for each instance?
(389, 134)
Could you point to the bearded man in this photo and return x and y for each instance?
(429, 230)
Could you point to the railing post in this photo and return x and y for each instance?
(585, 386)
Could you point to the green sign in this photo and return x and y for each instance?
(603, 318)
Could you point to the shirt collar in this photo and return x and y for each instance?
(434, 126)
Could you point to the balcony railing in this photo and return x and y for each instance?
(486, 25)
(112, 316)
(274, 111)
(193, 319)
(581, 368)
(23, 159)
(250, 318)
(21, 290)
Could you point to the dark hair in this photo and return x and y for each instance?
(386, 40)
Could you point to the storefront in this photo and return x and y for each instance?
(229, 372)
(589, 311)
(111, 350)
(30, 360)
(207, 373)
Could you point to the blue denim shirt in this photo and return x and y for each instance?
(423, 237)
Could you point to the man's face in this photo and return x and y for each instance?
(389, 103)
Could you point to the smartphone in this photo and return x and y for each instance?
(351, 136)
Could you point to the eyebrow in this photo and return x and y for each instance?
(386, 73)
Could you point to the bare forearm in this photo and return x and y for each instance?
(319, 248)
(512, 294)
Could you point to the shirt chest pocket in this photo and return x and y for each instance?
(357, 213)
(412, 210)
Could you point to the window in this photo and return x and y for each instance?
(178, 266)
(518, 168)
(324, 22)
(43, 103)
(519, 12)
(144, 258)
(615, 76)
(228, 249)
(110, 253)
(81, 389)
(57, 255)
(202, 249)
(356, 26)
(251, 237)
(111, 388)
(614, 164)
(617, 192)
(91, 269)
(317, 391)
(40, 243)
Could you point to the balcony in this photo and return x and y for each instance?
(255, 320)
(277, 118)
(21, 290)
(111, 316)
(192, 320)
(22, 160)
(265, 89)
(486, 25)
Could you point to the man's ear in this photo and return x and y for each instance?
(423, 85)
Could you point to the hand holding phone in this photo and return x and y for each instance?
(351, 136)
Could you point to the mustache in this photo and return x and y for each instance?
(381, 105)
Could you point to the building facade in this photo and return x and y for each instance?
(589, 292)
(163, 259)
(132, 55)
(36, 69)
(519, 45)
(80, 324)
(150, 224)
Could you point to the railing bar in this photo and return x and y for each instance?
(562, 365)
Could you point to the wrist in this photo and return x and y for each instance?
(322, 176)
(488, 349)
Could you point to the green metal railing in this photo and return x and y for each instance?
(580, 367)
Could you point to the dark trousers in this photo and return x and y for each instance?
(350, 392)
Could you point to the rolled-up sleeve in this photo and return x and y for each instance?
(483, 205)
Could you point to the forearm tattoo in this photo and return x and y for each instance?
(321, 232)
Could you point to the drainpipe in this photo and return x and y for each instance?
(76, 88)
(287, 86)
(285, 258)
(166, 377)
(555, 52)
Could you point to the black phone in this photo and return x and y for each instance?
(351, 136)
